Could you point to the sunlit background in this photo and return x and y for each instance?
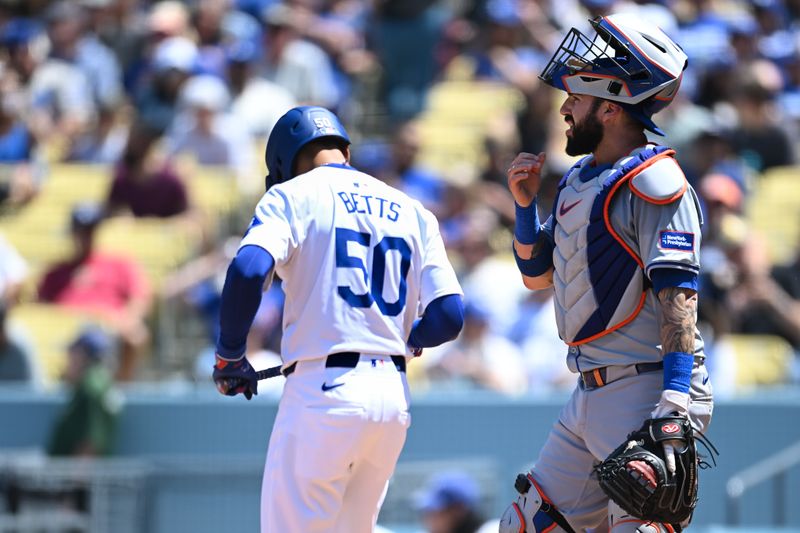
(131, 158)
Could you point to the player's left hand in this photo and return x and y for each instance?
(671, 403)
(235, 376)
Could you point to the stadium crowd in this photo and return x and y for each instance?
(153, 92)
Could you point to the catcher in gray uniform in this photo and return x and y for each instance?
(620, 251)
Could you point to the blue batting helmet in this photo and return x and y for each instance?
(629, 61)
(298, 127)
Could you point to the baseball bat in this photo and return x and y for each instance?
(269, 372)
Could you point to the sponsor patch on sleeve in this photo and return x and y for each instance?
(676, 240)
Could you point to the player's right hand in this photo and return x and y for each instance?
(234, 377)
(525, 177)
(672, 403)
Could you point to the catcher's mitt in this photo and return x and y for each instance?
(635, 475)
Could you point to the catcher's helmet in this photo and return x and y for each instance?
(629, 61)
(298, 127)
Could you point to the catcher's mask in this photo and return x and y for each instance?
(628, 61)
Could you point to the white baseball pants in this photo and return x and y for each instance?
(332, 451)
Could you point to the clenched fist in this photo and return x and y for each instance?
(525, 177)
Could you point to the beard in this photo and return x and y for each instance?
(586, 136)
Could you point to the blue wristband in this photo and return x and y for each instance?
(538, 265)
(678, 371)
(526, 223)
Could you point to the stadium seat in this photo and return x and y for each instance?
(774, 211)
(456, 121)
(760, 359)
(50, 328)
(214, 192)
(158, 245)
(40, 231)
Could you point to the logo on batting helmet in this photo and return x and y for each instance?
(629, 61)
(298, 127)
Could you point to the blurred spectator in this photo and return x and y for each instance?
(111, 286)
(478, 358)
(787, 295)
(165, 21)
(703, 33)
(23, 45)
(533, 119)
(17, 361)
(777, 41)
(759, 136)
(17, 144)
(104, 143)
(711, 151)
(405, 172)
(59, 93)
(207, 18)
(169, 18)
(292, 62)
(762, 301)
(536, 333)
(70, 42)
(257, 103)
(337, 26)
(17, 358)
(144, 184)
(450, 503)
(206, 130)
(492, 188)
(20, 168)
(789, 100)
(507, 55)
(487, 277)
(404, 34)
(724, 230)
(741, 292)
(173, 61)
(121, 26)
(87, 425)
(13, 272)
(198, 285)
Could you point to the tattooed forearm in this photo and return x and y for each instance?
(678, 316)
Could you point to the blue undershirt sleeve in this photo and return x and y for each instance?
(441, 322)
(241, 296)
(673, 277)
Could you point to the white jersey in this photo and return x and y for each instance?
(359, 261)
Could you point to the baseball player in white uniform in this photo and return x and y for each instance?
(368, 284)
(620, 251)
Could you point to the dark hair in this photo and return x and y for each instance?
(326, 143)
(632, 121)
(141, 138)
(323, 143)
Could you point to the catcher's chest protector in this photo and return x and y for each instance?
(598, 279)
